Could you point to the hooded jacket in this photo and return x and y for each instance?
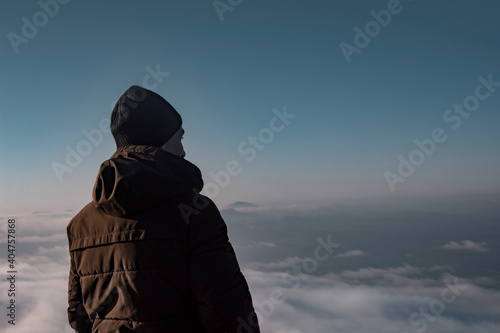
(150, 254)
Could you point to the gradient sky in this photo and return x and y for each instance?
(320, 177)
(225, 77)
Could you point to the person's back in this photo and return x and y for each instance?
(141, 262)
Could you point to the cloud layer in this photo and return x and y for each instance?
(302, 278)
(466, 245)
(373, 300)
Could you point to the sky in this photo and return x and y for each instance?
(375, 121)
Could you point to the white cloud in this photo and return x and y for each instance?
(466, 245)
(45, 223)
(38, 239)
(268, 211)
(341, 303)
(375, 300)
(41, 297)
(351, 253)
(283, 264)
(364, 299)
(266, 244)
(308, 304)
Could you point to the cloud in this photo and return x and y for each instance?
(466, 245)
(375, 300)
(352, 253)
(340, 303)
(60, 251)
(241, 204)
(267, 210)
(41, 284)
(38, 239)
(365, 295)
(266, 244)
(40, 223)
(283, 264)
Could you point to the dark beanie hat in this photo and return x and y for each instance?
(142, 117)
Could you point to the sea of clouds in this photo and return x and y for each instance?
(335, 270)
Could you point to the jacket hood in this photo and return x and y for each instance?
(138, 177)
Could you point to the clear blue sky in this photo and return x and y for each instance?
(225, 77)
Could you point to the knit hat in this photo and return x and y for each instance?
(142, 117)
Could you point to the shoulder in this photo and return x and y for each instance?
(196, 207)
(205, 225)
(82, 225)
(76, 222)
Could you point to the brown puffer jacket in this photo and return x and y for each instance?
(149, 254)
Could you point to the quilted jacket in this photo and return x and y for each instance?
(150, 254)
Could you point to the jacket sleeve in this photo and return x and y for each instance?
(219, 287)
(77, 315)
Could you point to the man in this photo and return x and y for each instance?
(149, 253)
